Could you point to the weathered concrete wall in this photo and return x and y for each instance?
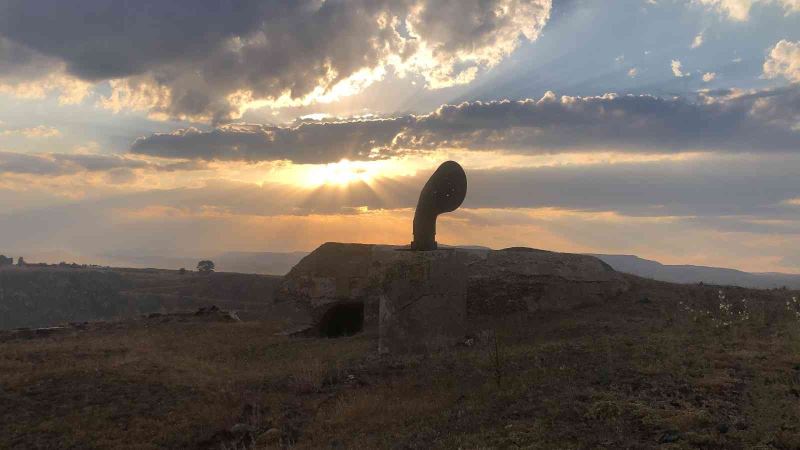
(423, 302)
(524, 279)
(333, 273)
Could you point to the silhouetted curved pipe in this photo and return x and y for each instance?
(444, 192)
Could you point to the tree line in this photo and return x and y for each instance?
(204, 266)
(9, 261)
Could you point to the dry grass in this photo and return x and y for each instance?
(632, 374)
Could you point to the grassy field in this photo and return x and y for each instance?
(663, 366)
(48, 296)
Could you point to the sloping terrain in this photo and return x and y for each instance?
(661, 366)
(696, 274)
(46, 296)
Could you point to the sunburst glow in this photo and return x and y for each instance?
(341, 173)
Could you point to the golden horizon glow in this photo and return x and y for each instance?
(309, 177)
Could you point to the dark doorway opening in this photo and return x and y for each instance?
(344, 319)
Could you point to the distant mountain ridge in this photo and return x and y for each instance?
(271, 263)
(695, 274)
(279, 263)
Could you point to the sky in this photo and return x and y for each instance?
(668, 129)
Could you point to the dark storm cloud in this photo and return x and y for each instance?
(203, 52)
(721, 121)
(109, 39)
(308, 142)
(65, 164)
(17, 61)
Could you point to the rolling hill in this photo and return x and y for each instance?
(697, 274)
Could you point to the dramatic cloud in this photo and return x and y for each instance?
(309, 142)
(690, 186)
(717, 206)
(706, 176)
(28, 74)
(20, 62)
(705, 186)
(784, 61)
(727, 121)
(70, 90)
(739, 10)
(68, 163)
(213, 60)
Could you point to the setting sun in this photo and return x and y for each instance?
(340, 173)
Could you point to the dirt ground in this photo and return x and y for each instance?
(663, 366)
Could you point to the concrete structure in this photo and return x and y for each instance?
(423, 302)
(420, 301)
(357, 278)
(529, 280)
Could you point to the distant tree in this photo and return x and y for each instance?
(21, 261)
(182, 271)
(6, 261)
(205, 266)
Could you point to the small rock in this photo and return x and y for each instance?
(205, 311)
(669, 437)
(270, 436)
(723, 428)
(241, 428)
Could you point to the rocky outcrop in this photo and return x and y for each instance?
(494, 282)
